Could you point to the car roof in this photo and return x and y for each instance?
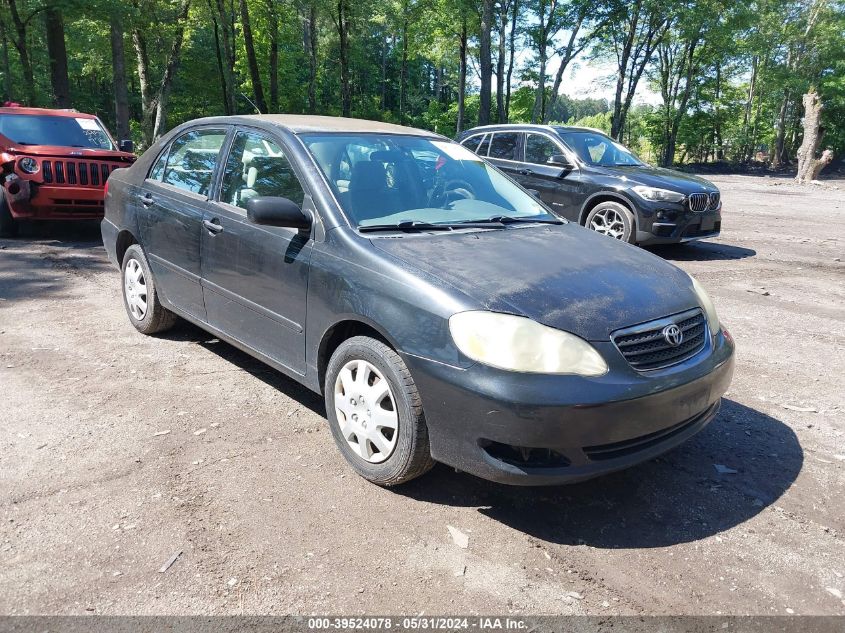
(528, 127)
(46, 112)
(304, 123)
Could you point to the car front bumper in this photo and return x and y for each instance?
(673, 223)
(533, 429)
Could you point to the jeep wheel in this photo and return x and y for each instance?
(8, 224)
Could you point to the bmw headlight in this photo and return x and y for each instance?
(517, 343)
(657, 195)
(706, 305)
(28, 165)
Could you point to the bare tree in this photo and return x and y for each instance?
(809, 166)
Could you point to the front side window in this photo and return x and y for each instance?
(64, 131)
(257, 166)
(191, 160)
(597, 149)
(539, 148)
(387, 179)
(503, 146)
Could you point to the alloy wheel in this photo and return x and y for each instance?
(135, 289)
(609, 222)
(366, 411)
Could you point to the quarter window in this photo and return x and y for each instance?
(257, 166)
(472, 142)
(539, 148)
(485, 145)
(503, 146)
(191, 160)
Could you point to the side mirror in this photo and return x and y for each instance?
(559, 160)
(273, 211)
(126, 145)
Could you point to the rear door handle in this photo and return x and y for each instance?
(213, 226)
(526, 172)
(146, 199)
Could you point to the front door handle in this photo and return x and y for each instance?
(213, 226)
(146, 199)
(526, 172)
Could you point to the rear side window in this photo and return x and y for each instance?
(539, 148)
(191, 160)
(503, 146)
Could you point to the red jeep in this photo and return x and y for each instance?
(54, 165)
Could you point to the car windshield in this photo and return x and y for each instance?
(597, 149)
(65, 131)
(386, 179)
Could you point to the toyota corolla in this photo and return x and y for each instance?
(444, 313)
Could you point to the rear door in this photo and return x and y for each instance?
(172, 201)
(504, 152)
(559, 188)
(255, 278)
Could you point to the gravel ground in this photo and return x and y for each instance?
(119, 450)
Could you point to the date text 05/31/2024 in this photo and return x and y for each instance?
(431, 623)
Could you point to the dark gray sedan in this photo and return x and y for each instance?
(444, 312)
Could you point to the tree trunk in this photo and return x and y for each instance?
(7, 66)
(312, 58)
(717, 115)
(808, 165)
(226, 19)
(57, 52)
(778, 157)
(485, 62)
(20, 42)
(617, 120)
(252, 60)
(403, 68)
(512, 47)
(462, 76)
(501, 114)
(121, 93)
(343, 32)
(569, 53)
(273, 24)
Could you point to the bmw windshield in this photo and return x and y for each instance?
(599, 150)
(385, 180)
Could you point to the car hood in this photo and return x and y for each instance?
(566, 277)
(659, 177)
(71, 153)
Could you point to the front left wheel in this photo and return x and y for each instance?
(376, 413)
(8, 224)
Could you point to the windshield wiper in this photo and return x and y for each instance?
(509, 219)
(405, 225)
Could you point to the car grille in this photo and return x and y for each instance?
(87, 174)
(701, 202)
(646, 348)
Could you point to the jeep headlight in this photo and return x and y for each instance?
(706, 305)
(515, 343)
(28, 165)
(657, 195)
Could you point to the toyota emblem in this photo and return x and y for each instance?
(673, 335)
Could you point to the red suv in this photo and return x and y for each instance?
(54, 165)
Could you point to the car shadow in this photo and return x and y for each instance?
(677, 498)
(701, 251)
(61, 233)
(184, 331)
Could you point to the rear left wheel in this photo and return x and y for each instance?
(375, 412)
(139, 294)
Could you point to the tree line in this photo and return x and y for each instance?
(731, 75)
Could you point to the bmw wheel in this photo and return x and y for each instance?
(375, 412)
(614, 220)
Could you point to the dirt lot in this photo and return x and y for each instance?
(95, 497)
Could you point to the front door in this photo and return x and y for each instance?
(558, 187)
(171, 204)
(255, 278)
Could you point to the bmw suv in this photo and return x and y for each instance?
(587, 177)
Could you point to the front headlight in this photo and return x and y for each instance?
(28, 165)
(516, 343)
(707, 305)
(657, 195)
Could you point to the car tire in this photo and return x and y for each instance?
(360, 406)
(146, 314)
(8, 224)
(614, 220)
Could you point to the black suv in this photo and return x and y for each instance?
(589, 178)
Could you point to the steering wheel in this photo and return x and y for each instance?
(452, 190)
